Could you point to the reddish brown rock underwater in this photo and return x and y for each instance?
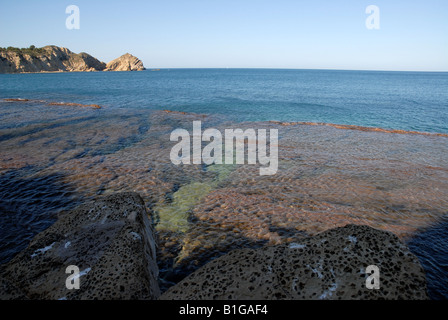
(360, 128)
(327, 177)
(70, 104)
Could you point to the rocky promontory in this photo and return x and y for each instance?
(126, 62)
(59, 59)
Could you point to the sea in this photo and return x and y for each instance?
(365, 147)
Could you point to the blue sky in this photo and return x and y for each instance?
(318, 34)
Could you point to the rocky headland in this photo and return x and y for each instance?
(59, 59)
(126, 62)
(113, 243)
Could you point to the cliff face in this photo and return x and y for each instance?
(52, 59)
(126, 62)
(58, 59)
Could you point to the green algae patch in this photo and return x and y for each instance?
(174, 216)
(222, 170)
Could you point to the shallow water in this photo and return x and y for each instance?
(54, 157)
(396, 100)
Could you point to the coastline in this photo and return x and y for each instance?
(59, 151)
(274, 155)
(77, 71)
(326, 179)
(53, 58)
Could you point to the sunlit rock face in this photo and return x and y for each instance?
(48, 59)
(126, 62)
(59, 59)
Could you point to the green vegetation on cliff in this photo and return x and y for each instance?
(32, 50)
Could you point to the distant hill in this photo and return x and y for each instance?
(59, 59)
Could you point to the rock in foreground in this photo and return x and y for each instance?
(110, 240)
(330, 265)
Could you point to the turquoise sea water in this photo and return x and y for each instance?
(394, 100)
(54, 157)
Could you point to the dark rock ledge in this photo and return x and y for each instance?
(113, 243)
(110, 240)
(330, 265)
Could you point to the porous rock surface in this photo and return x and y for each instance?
(110, 240)
(330, 265)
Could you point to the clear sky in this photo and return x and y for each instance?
(311, 34)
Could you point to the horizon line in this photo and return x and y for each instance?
(284, 68)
